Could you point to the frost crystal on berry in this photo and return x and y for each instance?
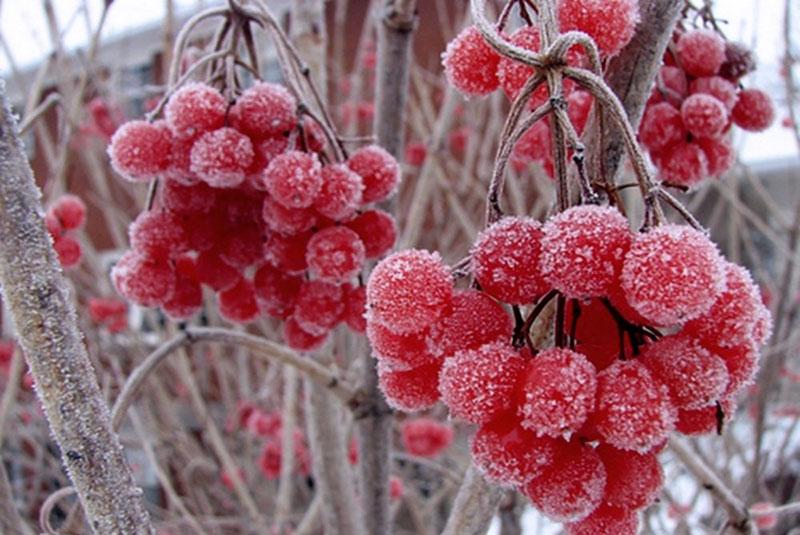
(263, 110)
(341, 192)
(377, 231)
(294, 179)
(139, 150)
(194, 109)
(470, 64)
(701, 52)
(221, 157)
(476, 319)
(410, 390)
(378, 170)
(611, 23)
(319, 307)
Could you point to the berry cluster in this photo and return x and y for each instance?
(696, 100)
(251, 208)
(67, 214)
(576, 427)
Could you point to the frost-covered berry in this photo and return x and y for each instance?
(399, 351)
(478, 384)
(570, 488)
(335, 254)
(634, 411)
(703, 115)
(190, 200)
(298, 339)
(719, 154)
(611, 23)
(579, 104)
(410, 390)
(633, 480)
(556, 392)
(378, 170)
(145, 281)
(694, 376)
(139, 150)
(319, 307)
(194, 109)
(276, 291)
(682, 164)
(409, 290)
(597, 335)
(213, 271)
(221, 157)
(263, 110)
(355, 306)
(157, 234)
(673, 83)
(606, 519)
(754, 111)
(661, 127)
(287, 220)
(470, 64)
(288, 252)
(701, 52)
(294, 179)
(513, 74)
(186, 299)
(742, 362)
(70, 211)
(237, 304)
(705, 420)
(505, 260)
(244, 247)
(425, 437)
(739, 61)
(583, 249)
(377, 231)
(717, 87)
(476, 319)
(671, 274)
(68, 250)
(508, 454)
(341, 192)
(762, 330)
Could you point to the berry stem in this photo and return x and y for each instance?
(537, 310)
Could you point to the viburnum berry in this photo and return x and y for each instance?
(425, 437)
(606, 519)
(410, 390)
(582, 250)
(470, 64)
(476, 319)
(319, 307)
(694, 376)
(633, 480)
(194, 109)
(221, 157)
(396, 490)
(145, 281)
(300, 340)
(416, 152)
(556, 392)
(661, 127)
(377, 231)
(335, 254)
(269, 460)
(103, 308)
(287, 220)
(682, 164)
(341, 192)
(634, 411)
(409, 290)
(701, 52)
(355, 306)
(288, 252)
(238, 303)
(478, 384)
(70, 211)
(264, 109)
(186, 299)
(505, 260)
(244, 247)
(579, 104)
(672, 273)
(703, 115)
(508, 454)
(157, 233)
(276, 291)
(53, 225)
(719, 154)
(742, 362)
(705, 420)
(378, 170)
(610, 23)
(717, 87)
(139, 150)
(754, 111)
(294, 179)
(180, 165)
(181, 199)
(69, 251)
(597, 334)
(762, 330)
(213, 271)
(739, 61)
(571, 487)
(672, 81)
(399, 351)
(512, 74)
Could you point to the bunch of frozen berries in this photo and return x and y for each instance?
(66, 215)
(251, 208)
(696, 100)
(658, 333)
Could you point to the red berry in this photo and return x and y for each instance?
(276, 291)
(611, 23)
(606, 520)
(145, 281)
(103, 308)
(355, 307)
(396, 490)
(634, 411)
(341, 192)
(70, 211)
(534, 146)
(476, 319)
(513, 74)
(244, 247)
(742, 362)
(53, 225)
(416, 152)
(701, 52)
(213, 271)
(739, 61)
(410, 390)
(717, 87)
(510, 455)
(672, 81)
(287, 220)
(477, 385)
(180, 166)
(186, 299)
(409, 290)
(300, 340)
(703, 115)
(672, 273)
(661, 127)
(238, 303)
(556, 392)
(157, 234)
(571, 487)
(139, 150)
(288, 253)
(583, 249)
(398, 351)
(505, 260)
(187, 200)
(294, 179)
(221, 157)
(633, 480)
(719, 154)
(379, 172)
(470, 64)
(754, 111)
(377, 231)
(263, 110)
(597, 334)
(682, 164)
(425, 437)
(68, 250)
(319, 307)
(579, 105)
(694, 376)
(194, 109)
(335, 254)
(704, 420)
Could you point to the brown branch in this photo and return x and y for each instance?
(474, 506)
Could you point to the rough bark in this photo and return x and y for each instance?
(37, 294)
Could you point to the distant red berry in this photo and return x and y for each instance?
(276, 291)
(377, 230)
(69, 251)
(661, 127)
(410, 390)
(341, 192)
(611, 23)
(633, 480)
(701, 52)
(425, 437)
(703, 115)
(221, 157)
(470, 64)
(145, 281)
(294, 179)
(103, 308)
(476, 319)
(379, 171)
(194, 109)
(754, 111)
(416, 152)
(139, 150)
(396, 490)
(764, 519)
(263, 110)
(70, 211)
(319, 307)
(335, 254)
